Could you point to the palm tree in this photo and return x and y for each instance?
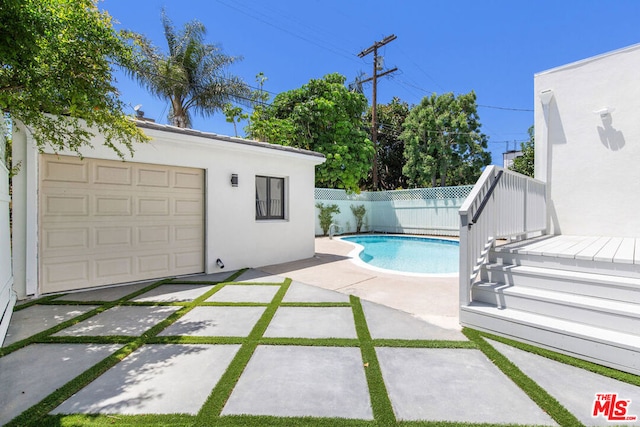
(192, 76)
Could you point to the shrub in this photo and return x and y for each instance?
(326, 216)
(359, 212)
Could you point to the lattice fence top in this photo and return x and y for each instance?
(459, 192)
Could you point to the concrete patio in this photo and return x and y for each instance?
(337, 343)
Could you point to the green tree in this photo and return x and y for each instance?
(234, 115)
(192, 75)
(525, 163)
(324, 116)
(56, 73)
(443, 142)
(390, 158)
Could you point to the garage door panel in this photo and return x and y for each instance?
(66, 239)
(60, 273)
(152, 177)
(68, 170)
(188, 180)
(113, 205)
(154, 235)
(158, 263)
(114, 267)
(104, 222)
(187, 260)
(108, 174)
(67, 205)
(186, 207)
(113, 237)
(187, 234)
(153, 206)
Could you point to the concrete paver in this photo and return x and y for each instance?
(121, 320)
(254, 275)
(312, 322)
(216, 322)
(385, 322)
(105, 294)
(459, 385)
(30, 374)
(245, 293)
(173, 293)
(302, 381)
(573, 387)
(32, 320)
(299, 292)
(155, 379)
(213, 277)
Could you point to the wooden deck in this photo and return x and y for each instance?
(618, 250)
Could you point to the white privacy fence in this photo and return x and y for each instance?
(415, 211)
(502, 204)
(7, 296)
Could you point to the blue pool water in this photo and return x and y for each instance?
(409, 254)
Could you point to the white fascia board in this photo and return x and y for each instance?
(582, 62)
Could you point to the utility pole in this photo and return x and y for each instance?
(377, 66)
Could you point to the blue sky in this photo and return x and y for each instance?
(491, 47)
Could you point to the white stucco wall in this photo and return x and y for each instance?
(232, 232)
(591, 161)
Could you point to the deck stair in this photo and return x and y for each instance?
(575, 295)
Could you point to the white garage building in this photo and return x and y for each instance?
(186, 203)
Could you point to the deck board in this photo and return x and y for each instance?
(590, 251)
(619, 250)
(608, 251)
(626, 251)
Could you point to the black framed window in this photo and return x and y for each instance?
(269, 197)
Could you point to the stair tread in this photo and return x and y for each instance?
(592, 302)
(566, 327)
(609, 279)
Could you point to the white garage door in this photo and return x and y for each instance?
(104, 222)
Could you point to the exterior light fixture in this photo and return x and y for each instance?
(234, 179)
(604, 112)
(546, 96)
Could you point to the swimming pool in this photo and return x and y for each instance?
(408, 254)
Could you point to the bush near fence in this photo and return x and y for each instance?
(432, 211)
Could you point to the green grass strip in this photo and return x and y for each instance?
(323, 342)
(181, 339)
(385, 342)
(234, 304)
(109, 339)
(268, 421)
(90, 420)
(568, 360)
(241, 283)
(380, 402)
(36, 301)
(539, 395)
(221, 392)
(315, 304)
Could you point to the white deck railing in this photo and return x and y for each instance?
(502, 204)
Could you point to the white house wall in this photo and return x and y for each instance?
(232, 233)
(588, 144)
